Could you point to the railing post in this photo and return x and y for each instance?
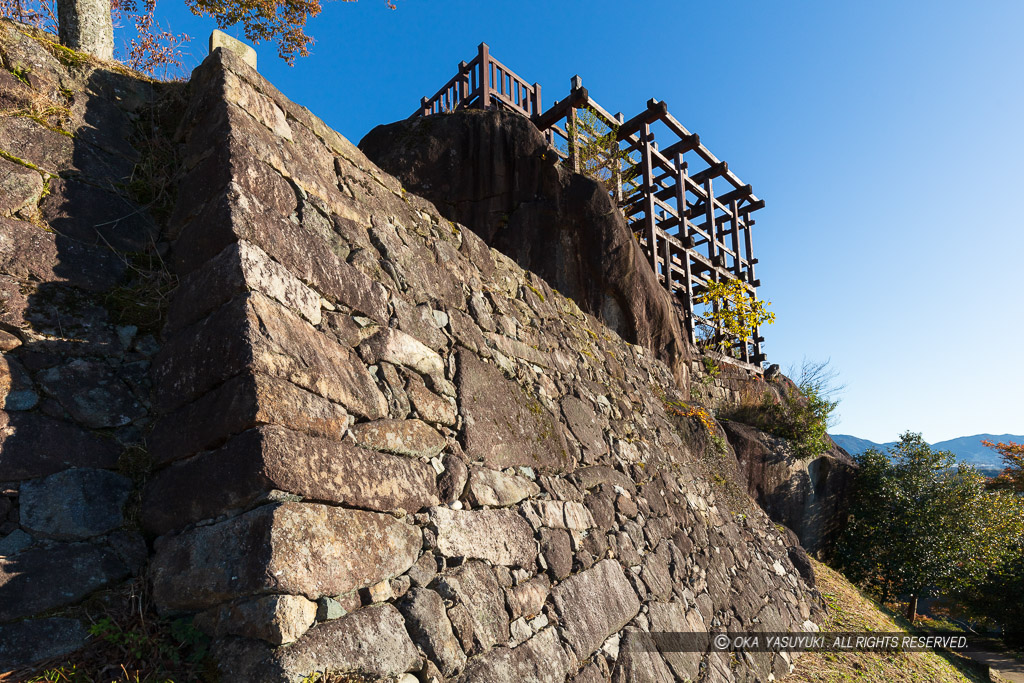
(485, 76)
(424, 103)
(572, 128)
(463, 84)
(537, 110)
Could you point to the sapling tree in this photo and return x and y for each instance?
(734, 311)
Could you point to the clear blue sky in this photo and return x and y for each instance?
(886, 137)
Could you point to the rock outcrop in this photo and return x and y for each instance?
(808, 495)
(494, 172)
(376, 444)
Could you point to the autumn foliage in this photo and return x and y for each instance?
(1012, 476)
(152, 49)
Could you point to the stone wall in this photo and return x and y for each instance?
(377, 445)
(78, 329)
(387, 448)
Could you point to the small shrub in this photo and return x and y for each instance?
(801, 412)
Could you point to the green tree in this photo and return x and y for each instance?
(1000, 596)
(920, 524)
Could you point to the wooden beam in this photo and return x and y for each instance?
(558, 111)
(712, 171)
(654, 111)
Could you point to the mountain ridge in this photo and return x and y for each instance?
(967, 449)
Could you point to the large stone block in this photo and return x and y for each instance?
(43, 578)
(28, 253)
(255, 334)
(372, 640)
(595, 604)
(277, 619)
(496, 489)
(504, 425)
(306, 255)
(414, 438)
(273, 458)
(428, 623)
(371, 643)
(239, 267)
(74, 504)
(34, 445)
(296, 548)
(498, 536)
(541, 659)
(92, 393)
(476, 587)
(243, 402)
(26, 642)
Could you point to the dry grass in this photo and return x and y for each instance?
(851, 610)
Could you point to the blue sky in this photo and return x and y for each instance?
(885, 137)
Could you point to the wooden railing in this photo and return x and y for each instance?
(689, 212)
(484, 83)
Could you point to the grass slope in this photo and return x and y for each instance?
(851, 610)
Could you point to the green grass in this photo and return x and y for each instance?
(851, 610)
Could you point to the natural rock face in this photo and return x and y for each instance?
(494, 172)
(807, 495)
(378, 446)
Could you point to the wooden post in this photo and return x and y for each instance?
(463, 83)
(737, 263)
(537, 109)
(648, 177)
(617, 164)
(424, 103)
(683, 232)
(666, 257)
(485, 76)
(749, 239)
(572, 128)
(709, 210)
(688, 298)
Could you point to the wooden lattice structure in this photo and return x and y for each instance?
(689, 212)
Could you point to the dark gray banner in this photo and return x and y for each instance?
(847, 641)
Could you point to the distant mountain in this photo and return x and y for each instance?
(967, 449)
(855, 445)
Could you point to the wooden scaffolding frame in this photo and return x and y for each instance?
(689, 212)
